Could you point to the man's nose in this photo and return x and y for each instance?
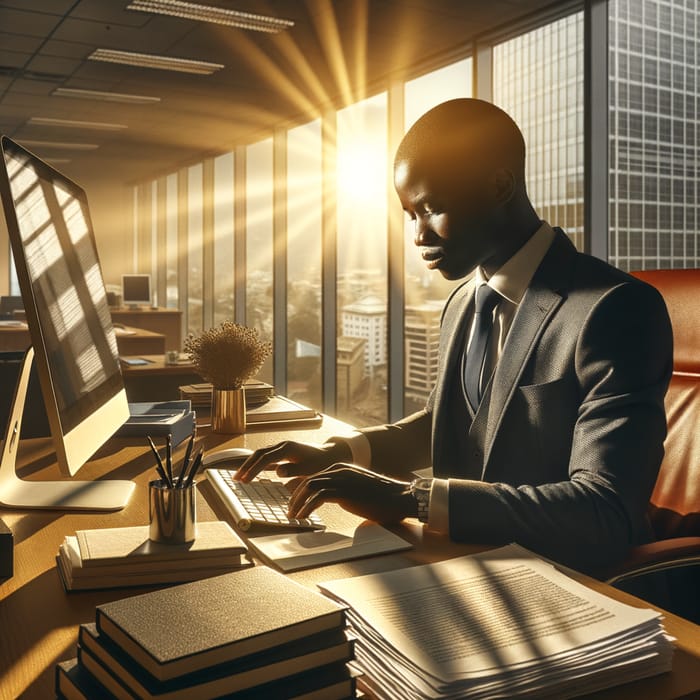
(422, 232)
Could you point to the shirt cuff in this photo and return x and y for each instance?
(359, 446)
(439, 506)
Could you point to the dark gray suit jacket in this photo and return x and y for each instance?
(569, 436)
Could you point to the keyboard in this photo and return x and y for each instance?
(258, 504)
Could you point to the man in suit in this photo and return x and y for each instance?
(546, 424)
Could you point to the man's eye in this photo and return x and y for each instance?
(429, 209)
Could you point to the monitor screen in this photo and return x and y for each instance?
(136, 289)
(65, 301)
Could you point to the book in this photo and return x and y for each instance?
(503, 623)
(123, 546)
(119, 557)
(192, 626)
(123, 677)
(159, 419)
(256, 392)
(278, 408)
(73, 682)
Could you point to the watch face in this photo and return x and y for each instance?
(424, 484)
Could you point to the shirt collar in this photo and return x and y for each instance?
(512, 279)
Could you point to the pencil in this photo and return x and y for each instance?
(159, 462)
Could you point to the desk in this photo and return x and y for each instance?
(132, 342)
(165, 321)
(39, 621)
(157, 381)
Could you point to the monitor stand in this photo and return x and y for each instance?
(59, 495)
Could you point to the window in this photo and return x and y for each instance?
(259, 243)
(361, 182)
(304, 259)
(426, 290)
(223, 238)
(195, 240)
(171, 241)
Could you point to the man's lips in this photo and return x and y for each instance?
(432, 255)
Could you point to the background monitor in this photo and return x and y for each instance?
(9, 304)
(136, 289)
(73, 340)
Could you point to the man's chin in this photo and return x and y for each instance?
(452, 274)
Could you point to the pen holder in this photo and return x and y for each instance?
(172, 513)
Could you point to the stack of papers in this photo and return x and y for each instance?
(500, 624)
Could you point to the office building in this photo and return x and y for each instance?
(422, 332)
(366, 319)
(351, 371)
(654, 137)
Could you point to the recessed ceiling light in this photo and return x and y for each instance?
(62, 145)
(217, 15)
(147, 60)
(73, 123)
(104, 96)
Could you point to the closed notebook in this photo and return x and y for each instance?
(73, 682)
(121, 675)
(126, 546)
(189, 627)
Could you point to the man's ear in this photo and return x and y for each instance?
(503, 186)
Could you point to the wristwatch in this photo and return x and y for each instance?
(420, 490)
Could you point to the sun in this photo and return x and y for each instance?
(361, 171)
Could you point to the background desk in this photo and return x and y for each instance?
(134, 341)
(165, 321)
(39, 621)
(157, 381)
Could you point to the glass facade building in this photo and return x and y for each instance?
(538, 80)
(654, 132)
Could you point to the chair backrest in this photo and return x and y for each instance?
(675, 502)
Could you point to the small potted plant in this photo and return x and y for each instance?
(227, 356)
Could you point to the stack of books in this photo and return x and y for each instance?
(502, 624)
(125, 556)
(253, 633)
(256, 392)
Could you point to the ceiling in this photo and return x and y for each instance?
(334, 54)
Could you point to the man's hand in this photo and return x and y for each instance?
(358, 490)
(293, 459)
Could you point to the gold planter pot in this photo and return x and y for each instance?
(228, 411)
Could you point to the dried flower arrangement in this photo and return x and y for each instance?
(228, 354)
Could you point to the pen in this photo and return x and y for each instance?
(159, 463)
(193, 469)
(169, 459)
(186, 460)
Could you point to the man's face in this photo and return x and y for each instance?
(452, 217)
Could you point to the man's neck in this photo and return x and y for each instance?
(517, 231)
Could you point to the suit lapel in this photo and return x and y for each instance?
(541, 300)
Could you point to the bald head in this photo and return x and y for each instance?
(462, 138)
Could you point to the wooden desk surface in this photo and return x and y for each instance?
(39, 620)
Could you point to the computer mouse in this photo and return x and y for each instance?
(233, 456)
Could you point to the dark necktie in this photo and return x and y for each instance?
(486, 301)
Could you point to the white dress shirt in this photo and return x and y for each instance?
(511, 282)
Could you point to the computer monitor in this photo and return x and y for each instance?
(73, 342)
(136, 290)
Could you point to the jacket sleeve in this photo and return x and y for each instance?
(401, 447)
(623, 363)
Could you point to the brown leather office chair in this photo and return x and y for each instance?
(675, 503)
